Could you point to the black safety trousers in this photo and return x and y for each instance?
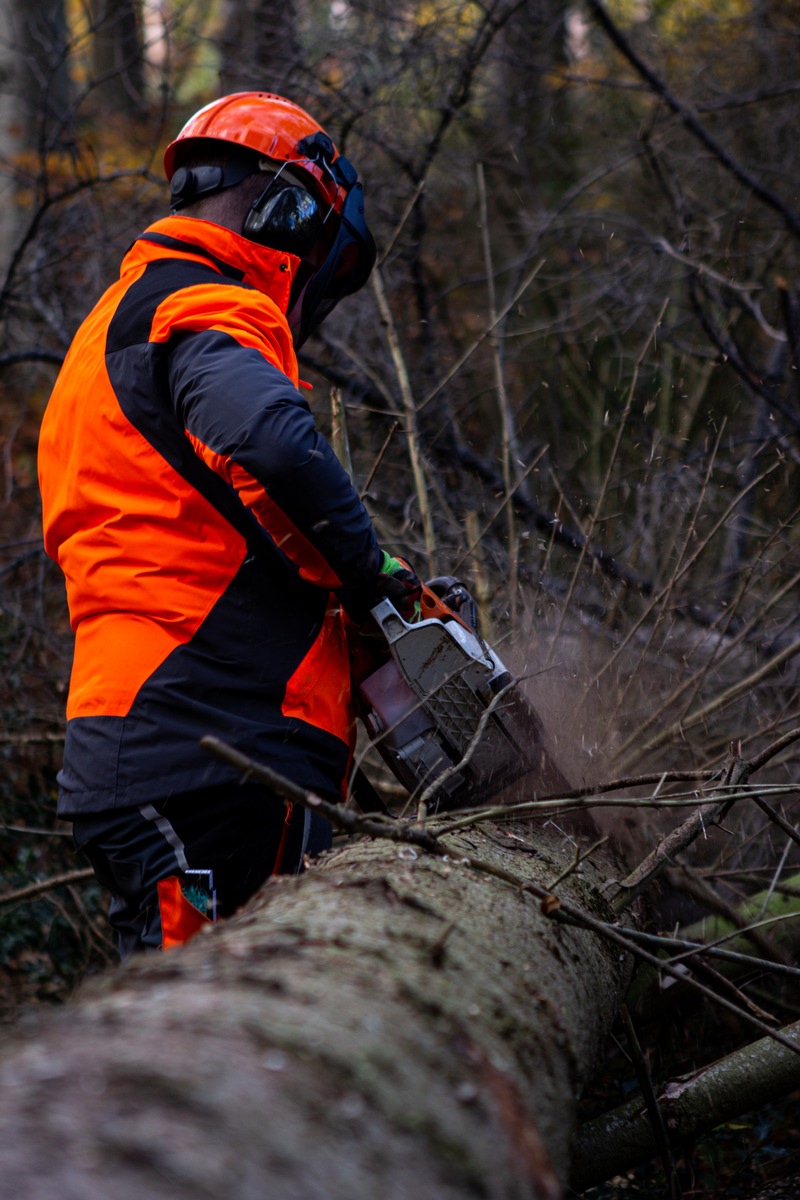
(234, 830)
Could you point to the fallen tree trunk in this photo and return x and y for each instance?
(390, 1024)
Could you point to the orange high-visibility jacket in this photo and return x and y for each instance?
(206, 530)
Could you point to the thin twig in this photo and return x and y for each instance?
(598, 506)
(340, 439)
(381, 455)
(553, 907)
(741, 686)
(580, 856)
(662, 600)
(723, 650)
(507, 437)
(400, 226)
(685, 950)
(575, 796)
(657, 1121)
(343, 818)
(482, 336)
(677, 575)
(46, 885)
(791, 831)
(35, 830)
(410, 411)
(476, 537)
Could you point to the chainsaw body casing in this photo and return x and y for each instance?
(447, 716)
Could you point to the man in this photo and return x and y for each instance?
(208, 535)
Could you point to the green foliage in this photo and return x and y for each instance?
(48, 941)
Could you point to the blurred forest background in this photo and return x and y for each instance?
(573, 379)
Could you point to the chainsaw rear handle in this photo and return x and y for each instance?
(446, 599)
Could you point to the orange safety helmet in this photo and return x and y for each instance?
(343, 253)
(270, 125)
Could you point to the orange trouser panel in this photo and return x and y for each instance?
(180, 920)
(276, 870)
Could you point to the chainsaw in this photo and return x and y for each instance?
(447, 717)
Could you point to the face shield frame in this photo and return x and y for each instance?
(348, 261)
(344, 270)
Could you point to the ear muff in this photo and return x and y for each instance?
(284, 218)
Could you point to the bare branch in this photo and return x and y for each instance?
(31, 890)
(690, 120)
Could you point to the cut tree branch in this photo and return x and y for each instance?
(692, 1105)
(736, 773)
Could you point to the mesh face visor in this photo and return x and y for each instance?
(344, 270)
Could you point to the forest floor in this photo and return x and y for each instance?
(739, 1160)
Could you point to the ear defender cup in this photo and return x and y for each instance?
(287, 219)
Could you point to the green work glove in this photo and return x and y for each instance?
(398, 583)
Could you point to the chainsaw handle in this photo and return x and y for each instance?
(433, 606)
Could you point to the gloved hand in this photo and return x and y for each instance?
(398, 583)
(366, 642)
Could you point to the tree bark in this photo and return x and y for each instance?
(260, 46)
(389, 1024)
(35, 114)
(117, 60)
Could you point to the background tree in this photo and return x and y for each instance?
(260, 46)
(34, 104)
(117, 60)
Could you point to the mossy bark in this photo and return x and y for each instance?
(389, 1024)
